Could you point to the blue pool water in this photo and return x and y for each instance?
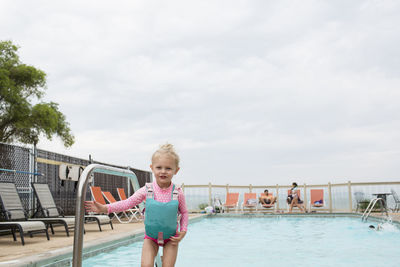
(275, 241)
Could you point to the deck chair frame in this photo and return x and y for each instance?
(267, 207)
(360, 200)
(249, 207)
(231, 202)
(47, 206)
(98, 196)
(15, 214)
(24, 227)
(17, 211)
(122, 196)
(110, 198)
(396, 199)
(316, 195)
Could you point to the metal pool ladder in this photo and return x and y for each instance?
(371, 205)
(80, 209)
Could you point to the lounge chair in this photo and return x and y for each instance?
(360, 200)
(267, 206)
(24, 227)
(49, 208)
(250, 201)
(110, 198)
(122, 196)
(232, 201)
(14, 213)
(98, 197)
(316, 198)
(396, 201)
(9, 190)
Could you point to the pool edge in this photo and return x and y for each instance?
(63, 257)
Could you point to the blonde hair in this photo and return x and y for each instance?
(166, 149)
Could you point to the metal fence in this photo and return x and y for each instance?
(64, 192)
(338, 197)
(17, 158)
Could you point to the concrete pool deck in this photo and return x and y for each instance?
(38, 248)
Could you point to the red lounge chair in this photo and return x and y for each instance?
(250, 201)
(110, 198)
(267, 206)
(317, 198)
(122, 196)
(232, 201)
(98, 197)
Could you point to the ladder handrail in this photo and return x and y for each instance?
(368, 207)
(371, 205)
(80, 198)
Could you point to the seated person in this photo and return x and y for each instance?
(267, 198)
(294, 200)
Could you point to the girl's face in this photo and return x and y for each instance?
(164, 168)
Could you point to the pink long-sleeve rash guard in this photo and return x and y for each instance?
(161, 195)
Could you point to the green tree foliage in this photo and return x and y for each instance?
(20, 120)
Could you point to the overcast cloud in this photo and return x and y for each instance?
(260, 92)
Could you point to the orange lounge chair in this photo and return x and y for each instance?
(250, 201)
(316, 198)
(232, 201)
(122, 196)
(268, 206)
(98, 197)
(110, 198)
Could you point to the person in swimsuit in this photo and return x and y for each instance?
(267, 198)
(294, 199)
(164, 201)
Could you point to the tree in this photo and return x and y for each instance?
(20, 120)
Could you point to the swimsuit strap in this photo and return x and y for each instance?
(175, 193)
(150, 191)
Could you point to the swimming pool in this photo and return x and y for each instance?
(275, 241)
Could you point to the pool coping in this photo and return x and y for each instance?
(373, 218)
(63, 257)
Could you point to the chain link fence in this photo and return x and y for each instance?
(63, 191)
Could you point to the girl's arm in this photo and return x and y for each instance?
(184, 219)
(183, 211)
(132, 201)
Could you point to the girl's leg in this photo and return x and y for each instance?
(149, 252)
(170, 252)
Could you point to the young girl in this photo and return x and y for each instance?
(163, 203)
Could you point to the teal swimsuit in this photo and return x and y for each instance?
(161, 218)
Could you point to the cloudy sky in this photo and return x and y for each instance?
(260, 92)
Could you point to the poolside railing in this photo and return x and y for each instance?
(338, 197)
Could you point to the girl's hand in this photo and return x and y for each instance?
(176, 239)
(93, 206)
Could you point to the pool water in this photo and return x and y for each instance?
(275, 241)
